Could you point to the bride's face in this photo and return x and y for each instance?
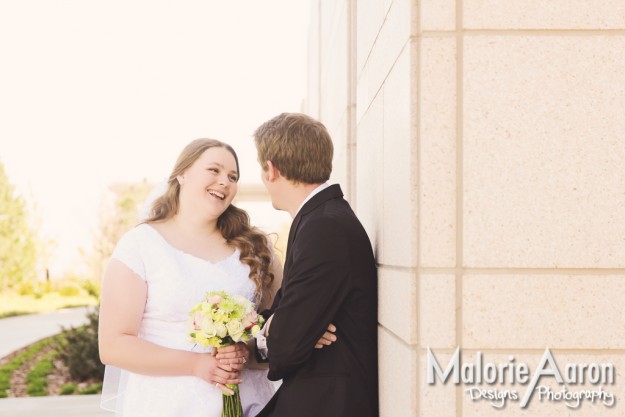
(210, 184)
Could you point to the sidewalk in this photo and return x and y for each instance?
(18, 332)
(21, 331)
(62, 406)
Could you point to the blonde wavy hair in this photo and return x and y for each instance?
(234, 223)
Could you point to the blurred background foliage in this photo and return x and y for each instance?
(18, 245)
(25, 282)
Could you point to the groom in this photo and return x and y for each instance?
(329, 277)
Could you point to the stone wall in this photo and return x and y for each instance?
(482, 144)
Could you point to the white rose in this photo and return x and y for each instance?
(208, 326)
(235, 329)
(221, 330)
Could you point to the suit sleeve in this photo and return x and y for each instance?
(316, 287)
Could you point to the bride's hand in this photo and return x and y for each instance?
(328, 337)
(208, 368)
(233, 356)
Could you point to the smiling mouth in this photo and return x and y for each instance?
(217, 194)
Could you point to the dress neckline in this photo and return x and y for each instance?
(180, 251)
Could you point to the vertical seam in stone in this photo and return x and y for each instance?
(459, 188)
(351, 97)
(320, 49)
(416, 91)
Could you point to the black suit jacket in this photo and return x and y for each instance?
(329, 277)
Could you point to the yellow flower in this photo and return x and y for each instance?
(201, 339)
(214, 342)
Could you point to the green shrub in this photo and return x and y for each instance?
(92, 287)
(26, 288)
(68, 389)
(36, 289)
(37, 389)
(80, 350)
(12, 313)
(69, 291)
(37, 378)
(93, 389)
(5, 381)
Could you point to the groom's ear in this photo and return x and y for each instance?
(273, 173)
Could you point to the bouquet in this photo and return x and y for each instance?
(221, 320)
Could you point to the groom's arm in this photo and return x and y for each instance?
(317, 286)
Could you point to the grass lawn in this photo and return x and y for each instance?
(14, 305)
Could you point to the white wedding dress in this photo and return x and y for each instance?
(176, 282)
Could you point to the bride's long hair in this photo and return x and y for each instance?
(234, 223)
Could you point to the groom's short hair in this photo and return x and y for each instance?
(298, 145)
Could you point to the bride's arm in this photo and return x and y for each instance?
(122, 303)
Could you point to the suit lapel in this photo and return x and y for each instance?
(293, 230)
(289, 246)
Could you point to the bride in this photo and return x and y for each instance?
(193, 242)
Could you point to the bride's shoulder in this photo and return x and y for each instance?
(137, 231)
(136, 235)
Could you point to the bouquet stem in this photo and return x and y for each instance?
(232, 403)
